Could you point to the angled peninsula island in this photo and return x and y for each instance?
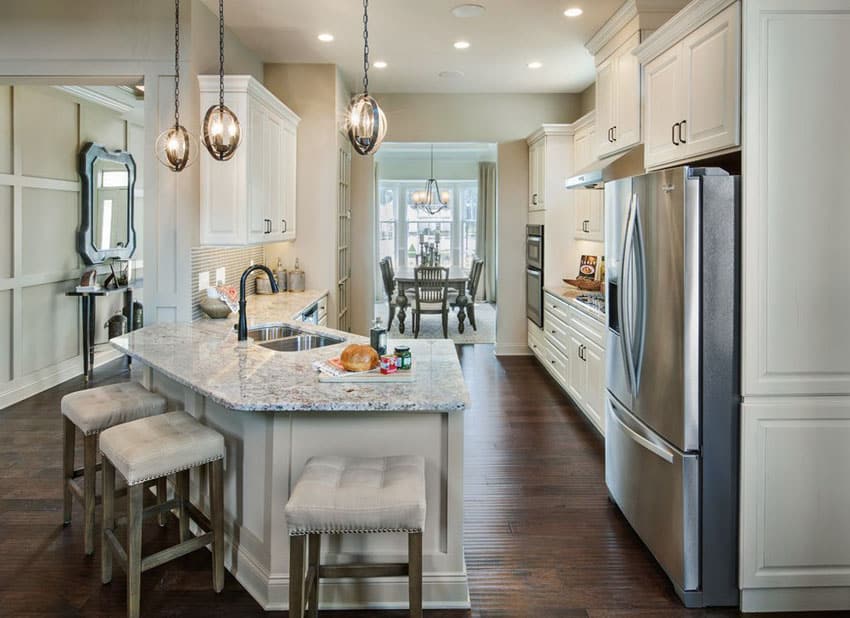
(275, 414)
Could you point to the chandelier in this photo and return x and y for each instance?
(365, 121)
(431, 200)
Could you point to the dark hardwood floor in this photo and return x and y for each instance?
(542, 539)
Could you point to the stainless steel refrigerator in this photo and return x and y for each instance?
(672, 372)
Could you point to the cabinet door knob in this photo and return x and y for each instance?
(283, 229)
(673, 134)
(682, 124)
(614, 133)
(534, 199)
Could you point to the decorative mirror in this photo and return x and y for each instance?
(106, 230)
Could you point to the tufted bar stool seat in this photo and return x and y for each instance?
(359, 495)
(154, 448)
(91, 411)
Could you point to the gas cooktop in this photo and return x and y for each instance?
(594, 301)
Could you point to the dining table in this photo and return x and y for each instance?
(405, 280)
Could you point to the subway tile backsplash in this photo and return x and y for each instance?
(234, 260)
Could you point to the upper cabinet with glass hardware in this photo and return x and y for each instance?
(618, 73)
(549, 150)
(692, 104)
(250, 199)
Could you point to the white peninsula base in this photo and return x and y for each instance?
(265, 454)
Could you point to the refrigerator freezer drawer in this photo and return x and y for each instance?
(657, 489)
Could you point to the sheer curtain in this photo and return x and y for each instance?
(486, 229)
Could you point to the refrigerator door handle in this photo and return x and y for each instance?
(626, 307)
(649, 445)
(640, 294)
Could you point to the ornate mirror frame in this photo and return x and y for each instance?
(85, 241)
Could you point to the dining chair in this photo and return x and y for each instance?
(467, 299)
(431, 287)
(393, 301)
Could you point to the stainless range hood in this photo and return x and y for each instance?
(621, 165)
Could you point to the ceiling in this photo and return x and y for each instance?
(415, 38)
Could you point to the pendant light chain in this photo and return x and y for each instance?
(366, 47)
(220, 54)
(176, 63)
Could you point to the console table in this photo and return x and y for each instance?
(87, 303)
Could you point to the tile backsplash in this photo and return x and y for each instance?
(210, 260)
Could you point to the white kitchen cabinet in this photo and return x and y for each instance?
(618, 99)
(549, 159)
(692, 99)
(795, 298)
(569, 346)
(589, 212)
(250, 198)
(584, 142)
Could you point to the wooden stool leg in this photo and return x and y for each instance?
(108, 521)
(216, 482)
(314, 549)
(135, 505)
(90, 483)
(161, 498)
(69, 431)
(181, 490)
(296, 576)
(414, 573)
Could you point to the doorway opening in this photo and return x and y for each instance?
(458, 235)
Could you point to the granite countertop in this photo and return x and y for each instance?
(207, 357)
(569, 294)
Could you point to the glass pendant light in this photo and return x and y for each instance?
(431, 200)
(175, 147)
(365, 120)
(222, 133)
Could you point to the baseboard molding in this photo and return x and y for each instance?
(38, 381)
(795, 599)
(512, 349)
(272, 591)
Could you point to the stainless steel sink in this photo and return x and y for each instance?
(270, 333)
(301, 342)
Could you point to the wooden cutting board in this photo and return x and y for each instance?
(371, 377)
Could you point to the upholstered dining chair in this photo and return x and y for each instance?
(467, 299)
(431, 287)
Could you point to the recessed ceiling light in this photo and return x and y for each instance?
(535, 65)
(573, 12)
(468, 10)
(380, 64)
(326, 37)
(451, 74)
(461, 44)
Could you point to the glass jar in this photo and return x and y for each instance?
(405, 359)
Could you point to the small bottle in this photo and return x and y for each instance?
(378, 337)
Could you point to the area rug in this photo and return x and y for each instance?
(432, 325)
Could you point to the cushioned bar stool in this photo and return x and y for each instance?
(153, 448)
(358, 495)
(92, 411)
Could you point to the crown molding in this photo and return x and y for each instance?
(118, 103)
(653, 9)
(678, 27)
(550, 130)
(588, 119)
(247, 84)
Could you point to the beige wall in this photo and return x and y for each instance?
(40, 338)
(588, 99)
(506, 119)
(312, 91)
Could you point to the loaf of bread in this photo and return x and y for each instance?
(358, 357)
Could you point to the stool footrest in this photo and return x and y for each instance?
(365, 569)
(117, 549)
(149, 511)
(198, 517)
(181, 549)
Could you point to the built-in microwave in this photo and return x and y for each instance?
(534, 246)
